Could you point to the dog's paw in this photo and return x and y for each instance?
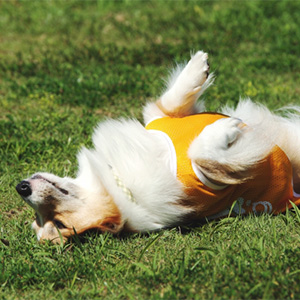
(222, 133)
(186, 87)
(228, 131)
(216, 138)
(197, 69)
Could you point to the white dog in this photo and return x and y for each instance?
(184, 166)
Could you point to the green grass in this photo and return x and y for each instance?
(66, 65)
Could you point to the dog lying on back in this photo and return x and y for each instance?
(185, 165)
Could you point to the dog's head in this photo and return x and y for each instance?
(63, 208)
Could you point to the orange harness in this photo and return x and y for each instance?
(270, 191)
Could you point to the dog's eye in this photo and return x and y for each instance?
(57, 187)
(60, 189)
(59, 224)
(64, 191)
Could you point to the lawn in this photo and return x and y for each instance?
(65, 66)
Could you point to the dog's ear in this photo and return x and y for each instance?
(111, 224)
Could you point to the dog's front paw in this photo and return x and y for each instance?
(197, 70)
(186, 87)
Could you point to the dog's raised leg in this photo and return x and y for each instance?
(184, 87)
(184, 90)
(225, 152)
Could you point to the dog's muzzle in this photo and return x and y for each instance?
(24, 188)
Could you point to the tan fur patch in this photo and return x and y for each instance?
(185, 108)
(225, 173)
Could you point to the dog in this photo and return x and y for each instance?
(185, 165)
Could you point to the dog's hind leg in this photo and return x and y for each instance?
(226, 151)
(184, 87)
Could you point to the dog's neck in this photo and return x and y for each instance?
(122, 185)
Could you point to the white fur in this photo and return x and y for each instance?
(141, 161)
(283, 131)
(227, 142)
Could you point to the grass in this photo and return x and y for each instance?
(64, 66)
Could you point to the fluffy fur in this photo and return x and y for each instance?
(224, 153)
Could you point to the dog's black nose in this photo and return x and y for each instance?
(24, 189)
